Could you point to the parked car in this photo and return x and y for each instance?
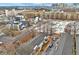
(35, 47)
(51, 44)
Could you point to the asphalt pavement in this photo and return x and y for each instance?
(65, 46)
(68, 45)
(27, 48)
(77, 44)
(53, 51)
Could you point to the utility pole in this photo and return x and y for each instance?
(74, 39)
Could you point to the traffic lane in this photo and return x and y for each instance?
(53, 51)
(27, 48)
(68, 45)
(49, 51)
(61, 44)
(77, 44)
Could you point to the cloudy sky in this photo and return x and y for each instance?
(25, 4)
(37, 4)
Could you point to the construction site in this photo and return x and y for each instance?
(39, 31)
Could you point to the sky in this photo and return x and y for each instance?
(25, 4)
(36, 4)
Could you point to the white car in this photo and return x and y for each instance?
(35, 47)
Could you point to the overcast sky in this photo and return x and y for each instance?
(25, 4)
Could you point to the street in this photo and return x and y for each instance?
(67, 49)
(65, 46)
(77, 44)
(27, 48)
